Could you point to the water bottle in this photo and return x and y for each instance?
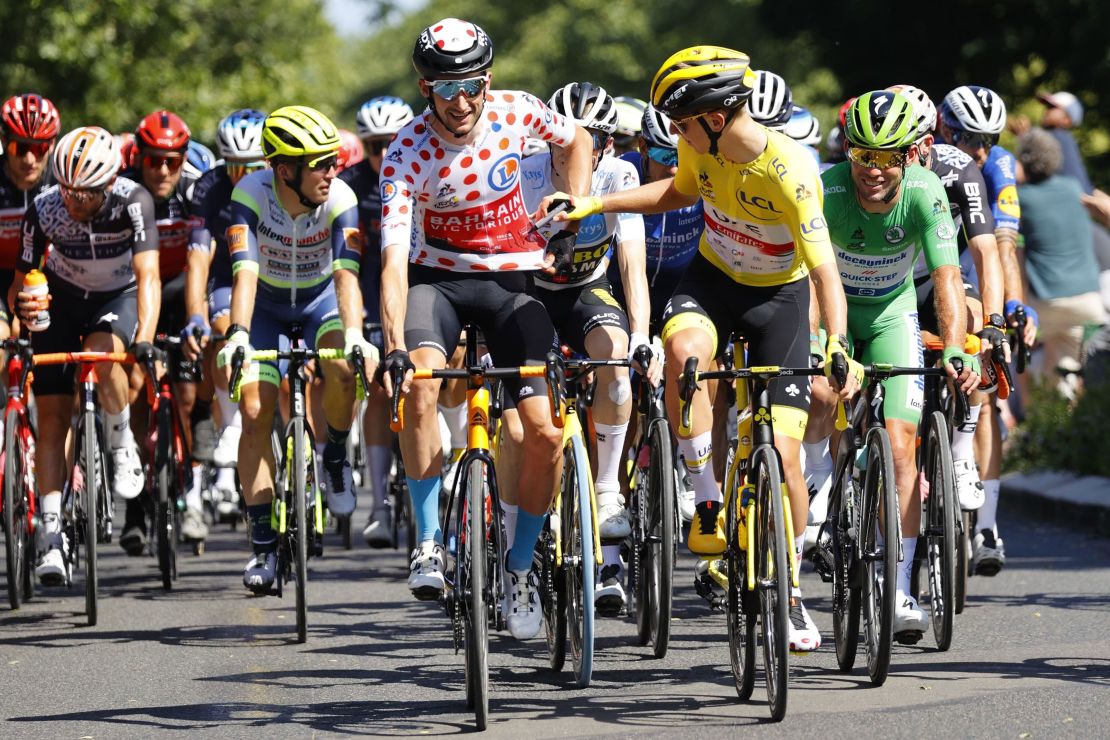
(35, 284)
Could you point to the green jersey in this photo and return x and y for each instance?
(875, 253)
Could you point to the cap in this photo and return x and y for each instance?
(1068, 102)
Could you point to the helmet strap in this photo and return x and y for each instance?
(894, 191)
(294, 184)
(714, 136)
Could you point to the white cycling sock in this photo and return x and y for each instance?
(819, 464)
(378, 458)
(610, 443)
(963, 436)
(611, 555)
(988, 512)
(455, 416)
(905, 568)
(50, 506)
(230, 415)
(698, 454)
(225, 478)
(508, 518)
(192, 496)
(119, 429)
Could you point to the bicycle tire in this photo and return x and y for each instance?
(554, 601)
(91, 512)
(14, 510)
(164, 524)
(963, 561)
(579, 564)
(847, 597)
(940, 529)
(880, 513)
(477, 610)
(300, 462)
(343, 524)
(661, 530)
(741, 619)
(773, 572)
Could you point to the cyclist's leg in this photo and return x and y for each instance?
(452, 405)
(510, 456)
(378, 440)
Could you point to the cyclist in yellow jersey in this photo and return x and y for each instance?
(764, 233)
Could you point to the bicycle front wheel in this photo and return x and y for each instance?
(95, 477)
(941, 510)
(741, 617)
(476, 622)
(16, 532)
(164, 524)
(301, 533)
(963, 561)
(880, 547)
(773, 574)
(578, 558)
(844, 513)
(660, 528)
(553, 598)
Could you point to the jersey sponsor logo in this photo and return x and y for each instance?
(1008, 202)
(505, 173)
(605, 297)
(939, 207)
(974, 203)
(743, 239)
(237, 239)
(945, 231)
(894, 235)
(354, 240)
(135, 211)
(951, 156)
(389, 191)
(948, 179)
(779, 168)
(1005, 164)
(490, 228)
(705, 186)
(802, 193)
(815, 228)
(28, 242)
(835, 189)
(593, 229)
(758, 207)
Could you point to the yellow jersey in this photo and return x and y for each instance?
(764, 224)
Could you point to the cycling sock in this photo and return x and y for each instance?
(225, 478)
(698, 454)
(963, 436)
(799, 543)
(455, 416)
(425, 507)
(508, 520)
(379, 457)
(611, 555)
(610, 443)
(988, 512)
(335, 449)
(819, 462)
(905, 568)
(230, 415)
(263, 535)
(192, 495)
(528, 528)
(119, 429)
(50, 504)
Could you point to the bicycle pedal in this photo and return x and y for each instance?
(908, 637)
(706, 588)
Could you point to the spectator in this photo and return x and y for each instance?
(1059, 258)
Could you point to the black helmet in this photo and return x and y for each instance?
(451, 47)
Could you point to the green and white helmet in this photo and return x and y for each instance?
(881, 119)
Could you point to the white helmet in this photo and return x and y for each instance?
(655, 129)
(923, 107)
(382, 116)
(803, 127)
(587, 105)
(86, 158)
(239, 135)
(771, 102)
(973, 108)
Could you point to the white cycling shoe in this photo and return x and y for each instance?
(426, 571)
(910, 620)
(522, 604)
(612, 517)
(968, 486)
(802, 633)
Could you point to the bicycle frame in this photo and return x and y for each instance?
(19, 363)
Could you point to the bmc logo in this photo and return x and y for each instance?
(504, 173)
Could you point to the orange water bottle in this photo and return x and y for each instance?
(34, 283)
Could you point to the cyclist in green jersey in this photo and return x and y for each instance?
(882, 214)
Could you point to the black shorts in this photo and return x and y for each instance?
(72, 319)
(171, 320)
(577, 311)
(6, 278)
(661, 287)
(504, 306)
(774, 320)
(926, 303)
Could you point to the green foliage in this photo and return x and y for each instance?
(110, 62)
(1056, 437)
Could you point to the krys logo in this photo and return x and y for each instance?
(592, 229)
(504, 173)
(758, 207)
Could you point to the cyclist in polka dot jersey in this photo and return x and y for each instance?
(452, 206)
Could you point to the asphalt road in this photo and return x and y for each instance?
(1030, 659)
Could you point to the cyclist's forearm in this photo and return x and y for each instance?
(951, 305)
(244, 288)
(830, 298)
(149, 298)
(395, 290)
(348, 294)
(984, 250)
(1011, 268)
(196, 284)
(632, 260)
(575, 160)
(655, 197)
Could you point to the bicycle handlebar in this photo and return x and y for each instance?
(66, 358)
(1017, 340)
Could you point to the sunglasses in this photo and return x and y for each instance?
(877, 158)
(471, 87)
(377, 147)
(600, 140)
(974, 139)
(81, 196)
(236, 171)
(172, 162)
(18, 148)
(681, 123)
(323, 163)
(663, 155)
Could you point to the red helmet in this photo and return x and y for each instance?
(162, 130)
(128, 149)
(350, 149)
(30, 116)
(842, 115)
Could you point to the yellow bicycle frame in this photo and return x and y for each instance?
(572, 426)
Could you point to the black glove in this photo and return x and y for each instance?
(396, 363)
(992, 336)
(144, 352)
(562, 246)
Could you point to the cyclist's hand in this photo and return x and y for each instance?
(28, 306)
(1031, 320)
(639, 347)
(352, 338)
(144, 353)
(580, 207)
(558, 256)
(237, 339)
(397, 361)
(992, 339)
(839, 360)
(968, 378)
(195, 336)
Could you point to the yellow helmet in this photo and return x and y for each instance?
(701, 79)
(298, 131)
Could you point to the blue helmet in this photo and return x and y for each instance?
(239, 135)
(382, 116)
